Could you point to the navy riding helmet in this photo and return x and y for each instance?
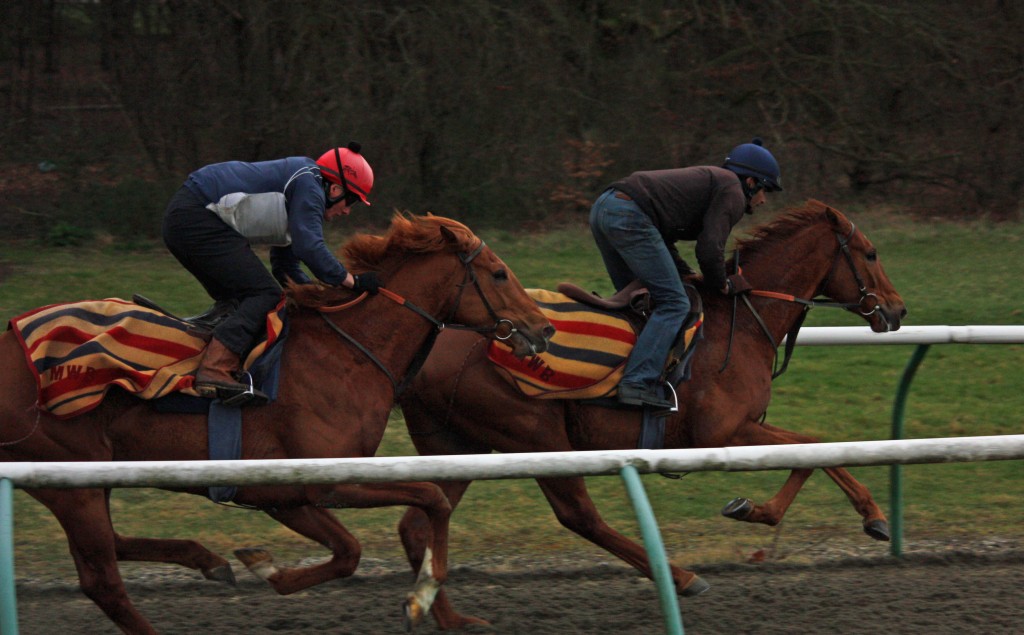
(753, 159)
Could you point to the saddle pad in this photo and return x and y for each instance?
(585, 358)
(77, 351)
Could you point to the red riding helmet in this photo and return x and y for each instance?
(358, 177)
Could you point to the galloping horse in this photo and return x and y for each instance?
(333, 401)
(459, 404)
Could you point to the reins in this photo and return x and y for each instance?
(808, 304)
(502, 329)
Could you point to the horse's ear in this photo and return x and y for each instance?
(449, 236)
(837, 220)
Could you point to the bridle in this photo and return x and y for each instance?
(843, 250)
(860, 306)
(502, 329)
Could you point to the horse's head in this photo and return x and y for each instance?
(487, 298)
(499, 300)
(857, 277)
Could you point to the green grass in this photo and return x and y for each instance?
(948, 273)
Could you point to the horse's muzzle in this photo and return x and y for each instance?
(527, 341)
(888, 318)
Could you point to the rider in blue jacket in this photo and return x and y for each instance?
(224, 208)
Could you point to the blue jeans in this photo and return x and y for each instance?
(632, 248)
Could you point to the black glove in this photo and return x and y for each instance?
(736, 284)
(367, 282)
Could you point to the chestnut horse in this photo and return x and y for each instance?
(459, 404)
(333, 401)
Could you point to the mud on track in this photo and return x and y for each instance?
(955, 592)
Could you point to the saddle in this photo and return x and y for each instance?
(594, 336)
(201, 325)
(633, 296)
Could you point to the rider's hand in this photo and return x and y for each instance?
(367, 282)
(736, 284)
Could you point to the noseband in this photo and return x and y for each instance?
(502, 329)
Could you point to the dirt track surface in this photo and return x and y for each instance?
(955, 592)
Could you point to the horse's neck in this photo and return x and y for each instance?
(388, 331)
(796, 267)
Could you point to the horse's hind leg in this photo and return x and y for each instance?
(319, 525)
(575, 509)
(187, 553)
(83, 515)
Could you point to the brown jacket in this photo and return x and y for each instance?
(701, 203)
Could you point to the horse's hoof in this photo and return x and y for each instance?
(877, 529)
(738, 508)
(223, 573)
(413, 614)
(696, 586)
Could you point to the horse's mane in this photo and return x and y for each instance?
(409, 233)
(783, 227)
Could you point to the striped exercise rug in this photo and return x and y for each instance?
(585, 358)
(77, 351)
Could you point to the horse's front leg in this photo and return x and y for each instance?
(429, 498)
(321, 526)
(416, 533)
(771, 512)
(875, 523)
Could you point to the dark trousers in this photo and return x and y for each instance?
(222, 261)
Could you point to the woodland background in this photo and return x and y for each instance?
(514, 114)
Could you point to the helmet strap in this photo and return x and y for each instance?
(332, 201)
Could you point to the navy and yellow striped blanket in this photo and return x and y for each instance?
(585, 358)
(77, 351)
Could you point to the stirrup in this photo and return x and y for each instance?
(675, 403)
(645, 398)
(235, 396)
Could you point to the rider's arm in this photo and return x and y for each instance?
(725, 211)
(306, 225)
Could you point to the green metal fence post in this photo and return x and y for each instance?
(8, 605)
(896, 470)
(655, 550)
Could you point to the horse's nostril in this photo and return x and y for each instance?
(549, 332)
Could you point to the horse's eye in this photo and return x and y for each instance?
(871, 256)
(500, 275)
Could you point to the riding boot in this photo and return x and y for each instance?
(216, 378)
